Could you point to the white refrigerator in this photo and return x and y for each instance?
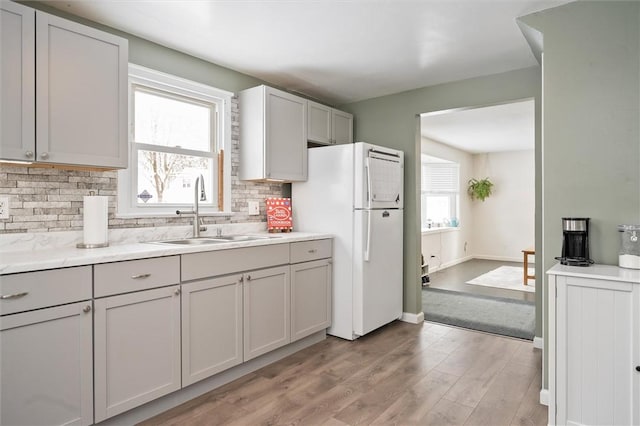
(355, 192)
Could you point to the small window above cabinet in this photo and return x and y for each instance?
(328, 126)
(81, 110)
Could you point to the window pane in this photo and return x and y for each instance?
(168, 120)
(165, 178)
(438, 208)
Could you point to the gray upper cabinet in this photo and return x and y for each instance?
(328, 126)
(81, 109)
(273, 135)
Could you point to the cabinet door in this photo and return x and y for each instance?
(81, 80)
(310, 298)
(319, 123)
(17, 81)
(286, 136)
(266, 311)
(211, 327)
(46, 366)
(594, 365)
(342, 127)
(137, 349)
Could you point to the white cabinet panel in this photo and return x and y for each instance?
(17, 84)
(342, 127)
(137, 349)
(47, 367)
(211, 327)
(328, 126)
(81, 109)
(273, 135)
(594, 349)
(310, 298)
(53, 112)
(266, 311)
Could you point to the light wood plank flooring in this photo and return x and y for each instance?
(402, 374)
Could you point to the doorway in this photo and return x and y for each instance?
(480, 237)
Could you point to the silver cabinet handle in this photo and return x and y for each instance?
(313, 251)
(28, 154)
(86, 309)
(44, 155)
(137, 277)
(177, 292)
(14, 296)
(241, 278)
(248, 277)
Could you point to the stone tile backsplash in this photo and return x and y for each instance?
(43, 199)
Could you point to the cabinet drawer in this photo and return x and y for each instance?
(134, 275)
(221, 262)
(305, 251)
(34, 290)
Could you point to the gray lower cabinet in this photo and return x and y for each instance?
(310, 298)
(137, 349)
(46, 353)
(266, 310)
(211, 327)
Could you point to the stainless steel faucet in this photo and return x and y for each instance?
(199, 183)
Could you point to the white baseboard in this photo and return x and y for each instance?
(449, 264)
(544, 397)
(538, 342)
(500, 258)
(412, 318)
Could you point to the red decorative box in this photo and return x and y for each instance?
(279, 214)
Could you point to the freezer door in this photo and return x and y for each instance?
(377, 284)
(379, 177)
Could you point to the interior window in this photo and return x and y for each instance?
(179, 130)
(439, 192)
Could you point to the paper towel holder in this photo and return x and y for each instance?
(91, 246)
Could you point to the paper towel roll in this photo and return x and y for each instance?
(95, 221)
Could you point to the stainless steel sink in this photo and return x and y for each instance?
(214, 240)
(191, 241)
(240, 237)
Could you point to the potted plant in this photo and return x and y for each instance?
(479, 189)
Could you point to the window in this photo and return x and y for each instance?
(439, 191)
(179, 130)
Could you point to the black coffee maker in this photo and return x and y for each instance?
(575, 242)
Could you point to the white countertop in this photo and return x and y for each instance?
(599, 272)
(68, 255)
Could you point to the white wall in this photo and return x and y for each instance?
(504, 223)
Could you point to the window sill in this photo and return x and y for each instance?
(441, 229)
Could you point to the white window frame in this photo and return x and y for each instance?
(454, 196)
(127, 179)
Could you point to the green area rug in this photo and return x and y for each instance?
(508, 317)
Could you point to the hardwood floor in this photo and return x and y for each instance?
(402, 374)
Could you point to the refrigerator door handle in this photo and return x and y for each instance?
(367, 167)
(368, 244)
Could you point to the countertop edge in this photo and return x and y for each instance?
(37, 260)
(597, 271)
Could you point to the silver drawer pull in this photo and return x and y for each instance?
(14, 296)
(313, 251)
(86, 309)
(137, 277)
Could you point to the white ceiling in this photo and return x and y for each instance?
(506, 127)
(338, 51)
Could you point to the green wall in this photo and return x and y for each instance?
(393, 121)
(591, 139)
